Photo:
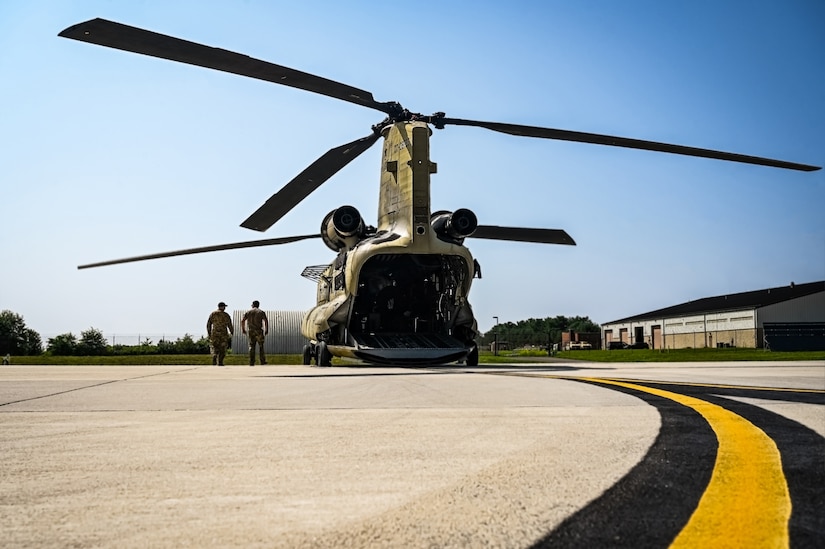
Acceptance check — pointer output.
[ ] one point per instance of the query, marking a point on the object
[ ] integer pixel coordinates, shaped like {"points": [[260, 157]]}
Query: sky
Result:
{"points": [[107, 154]]}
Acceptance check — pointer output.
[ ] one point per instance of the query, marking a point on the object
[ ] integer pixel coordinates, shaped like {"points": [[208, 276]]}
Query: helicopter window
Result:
{"points": [[339, 281]]}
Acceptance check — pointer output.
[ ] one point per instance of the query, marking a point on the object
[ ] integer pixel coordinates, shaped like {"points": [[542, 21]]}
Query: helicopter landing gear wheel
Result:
{"points": [[307, 355], [322, 355], [472, 356]]}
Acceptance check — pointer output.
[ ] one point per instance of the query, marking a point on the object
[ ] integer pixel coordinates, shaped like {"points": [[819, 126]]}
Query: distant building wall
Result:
{"points": [[696, 340], [284, 336], [593, 338], [795, 336], [733, 328], [810, 308], [737, 328]]}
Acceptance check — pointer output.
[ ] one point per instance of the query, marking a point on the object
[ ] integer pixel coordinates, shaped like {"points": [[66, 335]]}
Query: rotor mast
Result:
{"points": [[404, 201]]}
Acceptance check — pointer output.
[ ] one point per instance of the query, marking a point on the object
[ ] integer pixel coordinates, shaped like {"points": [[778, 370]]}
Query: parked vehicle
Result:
{"points": [[622, 345]]}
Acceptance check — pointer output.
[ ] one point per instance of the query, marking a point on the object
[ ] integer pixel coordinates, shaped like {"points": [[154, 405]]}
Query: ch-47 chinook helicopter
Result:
{"points": [[397, 292]]}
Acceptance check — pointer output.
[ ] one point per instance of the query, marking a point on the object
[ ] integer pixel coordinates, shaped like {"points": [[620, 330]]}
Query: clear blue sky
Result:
{"points": [[107, 154]]}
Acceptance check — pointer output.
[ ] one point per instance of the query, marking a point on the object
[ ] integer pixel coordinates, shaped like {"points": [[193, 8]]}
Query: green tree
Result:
{"points": [[92, 343], [538, 331], [185, 345], [188, 346], [16, 338], [63, 344], [202, 346], [166, 347], [583, 324], [32, 345]]}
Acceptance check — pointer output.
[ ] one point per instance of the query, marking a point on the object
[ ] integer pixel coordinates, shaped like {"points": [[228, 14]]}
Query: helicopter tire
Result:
{"points": [[472, 356], [307, 355], [322, 355]]}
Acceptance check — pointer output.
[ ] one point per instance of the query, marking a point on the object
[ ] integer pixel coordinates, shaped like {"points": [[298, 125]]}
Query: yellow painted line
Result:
{"points": [[677, 383], [720, 386], [746, 503]]}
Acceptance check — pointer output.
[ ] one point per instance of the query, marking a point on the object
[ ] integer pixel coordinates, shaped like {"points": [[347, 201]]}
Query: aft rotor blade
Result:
{"points": [[599, 139], [219, 247], [124, 37], [521, 234], [307, 181]]}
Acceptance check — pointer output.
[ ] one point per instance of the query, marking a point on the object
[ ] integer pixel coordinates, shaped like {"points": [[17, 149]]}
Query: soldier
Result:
{"points": [[255, 322], [217, 326]]}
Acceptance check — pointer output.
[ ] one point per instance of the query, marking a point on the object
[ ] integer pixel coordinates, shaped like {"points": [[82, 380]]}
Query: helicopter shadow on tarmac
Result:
{"points": [[374, 370]]}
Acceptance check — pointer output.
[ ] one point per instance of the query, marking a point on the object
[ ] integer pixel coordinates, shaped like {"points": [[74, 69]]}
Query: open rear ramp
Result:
{"points": [[406, 348]]}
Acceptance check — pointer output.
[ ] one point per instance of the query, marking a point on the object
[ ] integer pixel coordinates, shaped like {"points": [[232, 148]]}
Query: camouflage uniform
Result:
{"points": [[255, 324], [219, 328]]}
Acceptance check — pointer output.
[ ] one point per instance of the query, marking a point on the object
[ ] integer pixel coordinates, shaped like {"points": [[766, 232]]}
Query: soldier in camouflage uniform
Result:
{"points": [[219, 329], [255, 322]]}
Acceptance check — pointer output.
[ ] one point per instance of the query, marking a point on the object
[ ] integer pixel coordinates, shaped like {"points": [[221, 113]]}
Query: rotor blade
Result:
{"points": [[307, 181], [520, 234], [219, 247], [599, 139], [127, 38]]}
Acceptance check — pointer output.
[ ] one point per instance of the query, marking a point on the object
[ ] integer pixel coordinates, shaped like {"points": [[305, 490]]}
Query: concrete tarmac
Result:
{"points": [[295, 456]]}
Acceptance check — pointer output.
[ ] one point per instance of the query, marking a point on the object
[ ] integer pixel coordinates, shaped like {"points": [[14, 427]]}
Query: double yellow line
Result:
{"points": [[746, 503]]}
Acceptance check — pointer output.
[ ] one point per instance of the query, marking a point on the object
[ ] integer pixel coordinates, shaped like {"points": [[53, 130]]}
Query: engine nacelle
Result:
{"points": [[342, 228], [454, 226]]}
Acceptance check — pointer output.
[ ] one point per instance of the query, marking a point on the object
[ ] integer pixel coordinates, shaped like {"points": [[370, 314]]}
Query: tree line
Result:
{"points": [[538, 332], [17, 339]]}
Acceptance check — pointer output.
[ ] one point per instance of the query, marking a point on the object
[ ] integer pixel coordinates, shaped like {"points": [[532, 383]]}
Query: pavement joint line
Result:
{"points": [[84, 387]]}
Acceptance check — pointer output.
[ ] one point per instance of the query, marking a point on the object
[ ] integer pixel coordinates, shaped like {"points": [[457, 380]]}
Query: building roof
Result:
{"points": [[731, 302]]}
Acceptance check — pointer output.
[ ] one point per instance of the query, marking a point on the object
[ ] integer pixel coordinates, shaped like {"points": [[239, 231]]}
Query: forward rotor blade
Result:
{"points": [[219, 247], [599, 139], [307, 181], [124, 37], [520, 234]]}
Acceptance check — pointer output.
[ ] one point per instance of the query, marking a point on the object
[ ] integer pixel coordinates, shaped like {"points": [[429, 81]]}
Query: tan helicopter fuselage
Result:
{"points": [[405, 255]]}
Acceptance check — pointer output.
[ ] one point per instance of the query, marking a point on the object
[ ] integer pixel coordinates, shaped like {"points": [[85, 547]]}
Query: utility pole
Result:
{"points": [[495, 338]]}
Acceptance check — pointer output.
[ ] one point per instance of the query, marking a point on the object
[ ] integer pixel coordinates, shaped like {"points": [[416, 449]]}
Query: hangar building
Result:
{"points": [[786, 318], [284, 337]]}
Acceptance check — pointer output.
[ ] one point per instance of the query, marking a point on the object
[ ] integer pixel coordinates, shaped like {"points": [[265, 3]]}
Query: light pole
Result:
{"points": [[495, 339]]}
